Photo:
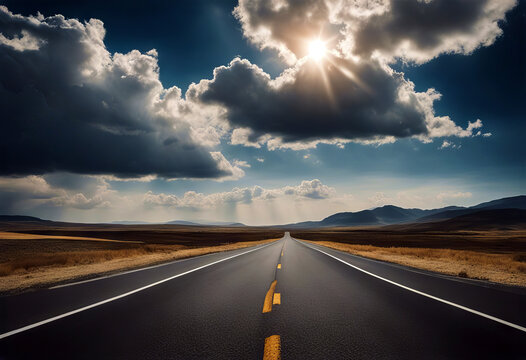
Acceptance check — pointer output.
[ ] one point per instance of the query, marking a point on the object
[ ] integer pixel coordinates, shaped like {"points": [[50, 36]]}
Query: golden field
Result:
{"points": [[497, 256], [29, 260]]}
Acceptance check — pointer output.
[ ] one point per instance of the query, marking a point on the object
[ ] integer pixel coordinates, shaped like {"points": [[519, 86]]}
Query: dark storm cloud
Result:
{"points": [[421, 30], [361, 101], [67, 104]]}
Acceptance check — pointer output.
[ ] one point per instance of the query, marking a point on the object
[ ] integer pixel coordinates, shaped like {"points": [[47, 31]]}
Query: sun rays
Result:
{"points": [[328, 59]]}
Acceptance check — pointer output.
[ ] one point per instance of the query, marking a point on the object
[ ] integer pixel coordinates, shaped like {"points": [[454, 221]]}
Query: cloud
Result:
{"points": [[241, 136], [353, 94], [444, 196], [241, 163], [448, 144], [20, 193], [279, 143], [380, 199], [405, 199], [226, 167], [281, 25], [308, 189], [415, 31], [34, 187], [80, 201], [70, 105], [419, 31], [424, 198], [364, 102], [445, 144], [313, 189]]}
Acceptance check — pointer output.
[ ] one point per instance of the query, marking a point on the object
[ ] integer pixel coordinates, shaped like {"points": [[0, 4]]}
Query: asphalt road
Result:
{"points": [[317, 303]]}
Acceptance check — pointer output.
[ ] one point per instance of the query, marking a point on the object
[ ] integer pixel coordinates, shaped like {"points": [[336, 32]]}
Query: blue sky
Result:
{"points": [[484, 78]]}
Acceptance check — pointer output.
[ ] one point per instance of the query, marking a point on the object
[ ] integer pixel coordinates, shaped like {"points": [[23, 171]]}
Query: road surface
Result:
{"points": [[288, 298]]}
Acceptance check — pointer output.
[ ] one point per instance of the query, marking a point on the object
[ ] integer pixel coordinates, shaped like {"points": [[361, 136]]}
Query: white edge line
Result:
{"points": [[504, 322], [143, 268], [69, 313]]}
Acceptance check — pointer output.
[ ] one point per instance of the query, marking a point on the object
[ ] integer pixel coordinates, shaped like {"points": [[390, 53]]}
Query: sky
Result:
{"points": [[261, 112]]}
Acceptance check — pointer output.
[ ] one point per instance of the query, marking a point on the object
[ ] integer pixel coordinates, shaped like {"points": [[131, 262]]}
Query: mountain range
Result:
{"points": [[390, 214], [505, 213], [208, 223]]}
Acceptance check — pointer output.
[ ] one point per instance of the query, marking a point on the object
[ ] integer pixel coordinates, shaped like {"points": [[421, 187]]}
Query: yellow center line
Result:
{"points": [[277, 299], [267, 305], [282, 253], [279, 266], [272, 348]]}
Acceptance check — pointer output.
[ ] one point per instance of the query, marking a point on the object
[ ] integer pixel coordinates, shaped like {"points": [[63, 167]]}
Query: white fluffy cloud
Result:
{"points": [[417, 30], [313, 189], [35, 187], [241, 163], [31, 191], [308, 189]]}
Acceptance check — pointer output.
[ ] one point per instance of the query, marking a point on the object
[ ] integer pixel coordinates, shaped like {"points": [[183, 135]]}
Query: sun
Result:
{"points": [[317, 49]]}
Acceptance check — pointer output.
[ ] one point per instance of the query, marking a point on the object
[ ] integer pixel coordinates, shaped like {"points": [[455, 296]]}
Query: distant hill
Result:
{"points": [[443, 215], [182, 222], [216, 223], [381, 216], [130, 222], [224, 223], [22, 218], [16, 218], [515, 202], [385, 215], [389, 214], [481, 219]]}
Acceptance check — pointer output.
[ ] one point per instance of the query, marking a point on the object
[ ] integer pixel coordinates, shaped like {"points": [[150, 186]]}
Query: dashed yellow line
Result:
{"points": [[277, 299], [267, 305], [272, 348]]}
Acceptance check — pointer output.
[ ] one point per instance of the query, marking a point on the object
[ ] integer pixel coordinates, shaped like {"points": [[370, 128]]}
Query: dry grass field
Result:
{"points": [[502, 268], [35, 254], [498, 241], [498, 256], [41, 255]]}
